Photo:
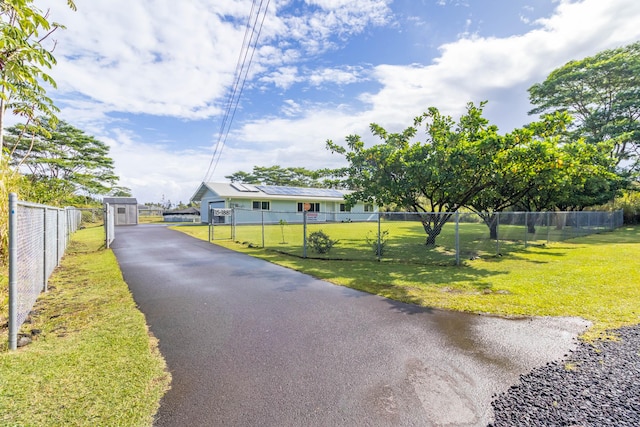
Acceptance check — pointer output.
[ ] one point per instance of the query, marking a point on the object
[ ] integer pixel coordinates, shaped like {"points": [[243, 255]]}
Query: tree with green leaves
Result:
{"points": [[529, 156], [578, 175], [62, 159], [291, 176], [434, 178], [602, 94], [24, 61]]}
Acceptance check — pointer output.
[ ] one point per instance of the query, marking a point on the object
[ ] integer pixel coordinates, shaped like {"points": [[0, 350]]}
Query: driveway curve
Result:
{"points": [[249, 343]]}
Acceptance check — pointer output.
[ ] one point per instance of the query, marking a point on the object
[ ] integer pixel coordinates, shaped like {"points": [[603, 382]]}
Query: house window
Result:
{"points": [[122, 210], [259, 205], [368, 207], [313, 207], [344, 208]]}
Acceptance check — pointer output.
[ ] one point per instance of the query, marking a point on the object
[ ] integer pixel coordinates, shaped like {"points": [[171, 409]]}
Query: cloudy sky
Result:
{"points": [[152, 78]]}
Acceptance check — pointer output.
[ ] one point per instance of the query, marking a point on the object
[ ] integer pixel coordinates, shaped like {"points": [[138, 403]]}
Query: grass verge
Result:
{"points": [[595, 277], [92, 360]]}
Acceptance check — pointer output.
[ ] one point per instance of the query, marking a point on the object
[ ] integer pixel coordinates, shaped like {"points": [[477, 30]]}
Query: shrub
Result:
{"points": [[282, 223], [320, 242], [372, 241]]}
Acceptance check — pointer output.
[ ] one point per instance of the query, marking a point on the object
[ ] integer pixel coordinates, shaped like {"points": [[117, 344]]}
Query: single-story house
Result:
{"points": [[182, 215], [125, 209], [146, 210], [251, 203]]}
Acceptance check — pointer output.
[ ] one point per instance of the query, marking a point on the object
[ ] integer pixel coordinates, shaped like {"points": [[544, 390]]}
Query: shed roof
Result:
{"points": [[120, 200], [267, 192]]}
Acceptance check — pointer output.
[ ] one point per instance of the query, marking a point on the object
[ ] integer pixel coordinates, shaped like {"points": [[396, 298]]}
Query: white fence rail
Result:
{"points": [[109, 224]]}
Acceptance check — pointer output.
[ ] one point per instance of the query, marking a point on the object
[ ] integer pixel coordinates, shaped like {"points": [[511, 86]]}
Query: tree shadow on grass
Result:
{"points": [[401, 282]]}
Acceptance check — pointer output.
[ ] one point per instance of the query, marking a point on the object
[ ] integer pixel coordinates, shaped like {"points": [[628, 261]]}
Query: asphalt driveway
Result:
{"points": [[249, 343]]}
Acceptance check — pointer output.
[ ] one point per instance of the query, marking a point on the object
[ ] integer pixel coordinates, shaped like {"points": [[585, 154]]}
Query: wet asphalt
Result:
{"points": [[249, 343]]}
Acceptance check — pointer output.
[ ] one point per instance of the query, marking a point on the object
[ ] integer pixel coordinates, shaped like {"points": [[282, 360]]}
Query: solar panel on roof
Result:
{"points": [[298, 191], [245, 188]]}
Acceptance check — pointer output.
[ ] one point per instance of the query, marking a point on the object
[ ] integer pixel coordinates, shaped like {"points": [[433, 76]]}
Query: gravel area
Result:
{"points": [[596, 385]]}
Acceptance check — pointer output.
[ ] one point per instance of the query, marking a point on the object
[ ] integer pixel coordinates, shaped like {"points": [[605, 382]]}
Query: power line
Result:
{"points": [[247, 51]]}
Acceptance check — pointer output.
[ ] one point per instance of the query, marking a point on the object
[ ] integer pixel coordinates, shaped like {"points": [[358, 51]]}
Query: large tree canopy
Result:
{"points": [[434, 178], [602, 93], [64, 157], [530, 154], [24, 60]]}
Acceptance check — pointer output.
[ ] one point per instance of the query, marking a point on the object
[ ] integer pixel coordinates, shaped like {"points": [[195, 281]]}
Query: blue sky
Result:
{"points": [[151, 78]]}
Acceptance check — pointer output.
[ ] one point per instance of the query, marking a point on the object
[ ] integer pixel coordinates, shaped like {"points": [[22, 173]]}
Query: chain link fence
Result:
{"points": [[405, 237], [38, 237]]}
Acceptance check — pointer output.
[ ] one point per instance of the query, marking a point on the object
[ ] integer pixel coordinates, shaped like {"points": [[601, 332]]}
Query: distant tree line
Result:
{"points": [[290, 176]]}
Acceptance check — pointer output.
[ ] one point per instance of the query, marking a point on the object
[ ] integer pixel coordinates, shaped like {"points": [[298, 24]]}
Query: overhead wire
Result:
{"points": [[249, 44]]}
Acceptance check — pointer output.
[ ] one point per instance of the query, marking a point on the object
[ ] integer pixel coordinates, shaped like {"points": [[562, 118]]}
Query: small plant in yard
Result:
{"points": [[320, 242], [282, 223], [378, 247]]}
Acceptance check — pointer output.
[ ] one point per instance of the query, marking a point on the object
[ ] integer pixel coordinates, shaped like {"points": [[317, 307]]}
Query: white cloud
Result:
{"points": [[165, 59], [152, 171], [472, 69], [283, 77], [340, 76]]}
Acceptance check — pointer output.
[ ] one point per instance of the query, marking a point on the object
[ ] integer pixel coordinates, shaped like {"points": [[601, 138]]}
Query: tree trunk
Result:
{"points": [[432, 223], [493, 230], [432, 232], [491, 221], [431, 239]]}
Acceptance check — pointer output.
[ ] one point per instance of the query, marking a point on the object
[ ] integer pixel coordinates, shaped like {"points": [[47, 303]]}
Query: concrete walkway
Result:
{"points": [[253, 344]]}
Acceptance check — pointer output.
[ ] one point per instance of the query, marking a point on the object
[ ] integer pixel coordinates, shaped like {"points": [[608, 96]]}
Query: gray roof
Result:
{"points": [[120, 200]]}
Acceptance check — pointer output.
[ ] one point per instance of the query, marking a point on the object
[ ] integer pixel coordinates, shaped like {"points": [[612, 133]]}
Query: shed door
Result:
{"points": [[121, 215]]}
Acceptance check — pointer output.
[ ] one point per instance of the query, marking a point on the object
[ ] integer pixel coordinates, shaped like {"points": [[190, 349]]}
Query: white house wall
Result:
{"points": [[286, 210]]}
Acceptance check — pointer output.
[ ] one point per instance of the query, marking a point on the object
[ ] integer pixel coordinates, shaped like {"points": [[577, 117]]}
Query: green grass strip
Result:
{"points": [[93, 361], [595, 277]]}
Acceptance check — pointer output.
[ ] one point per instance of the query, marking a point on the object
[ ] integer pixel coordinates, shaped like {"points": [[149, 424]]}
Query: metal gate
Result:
{"points": [[220, 224]]}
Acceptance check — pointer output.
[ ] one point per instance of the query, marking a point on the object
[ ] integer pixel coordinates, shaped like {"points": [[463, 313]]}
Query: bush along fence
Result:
{"points": [[407, 237], [38, 238]]}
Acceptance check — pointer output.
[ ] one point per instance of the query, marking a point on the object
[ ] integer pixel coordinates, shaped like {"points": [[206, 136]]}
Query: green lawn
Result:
{"points": [[93, 361], [595, 277], [405, 240]]}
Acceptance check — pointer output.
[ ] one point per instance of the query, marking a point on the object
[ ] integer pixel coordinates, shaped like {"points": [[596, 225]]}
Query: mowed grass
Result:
{"points": [[92, 361], [404, 241], [595, 277]]}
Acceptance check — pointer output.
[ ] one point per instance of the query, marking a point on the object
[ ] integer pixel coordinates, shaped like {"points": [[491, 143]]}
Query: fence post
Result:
{"points": [[210, 223], [548, 227], [457, 238], [304, 233], [233, 223], [106, 225], [58, 254], [497, 233], [44, 251], [13, 271], [526, 228], [379, 251], [262, 222]]}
